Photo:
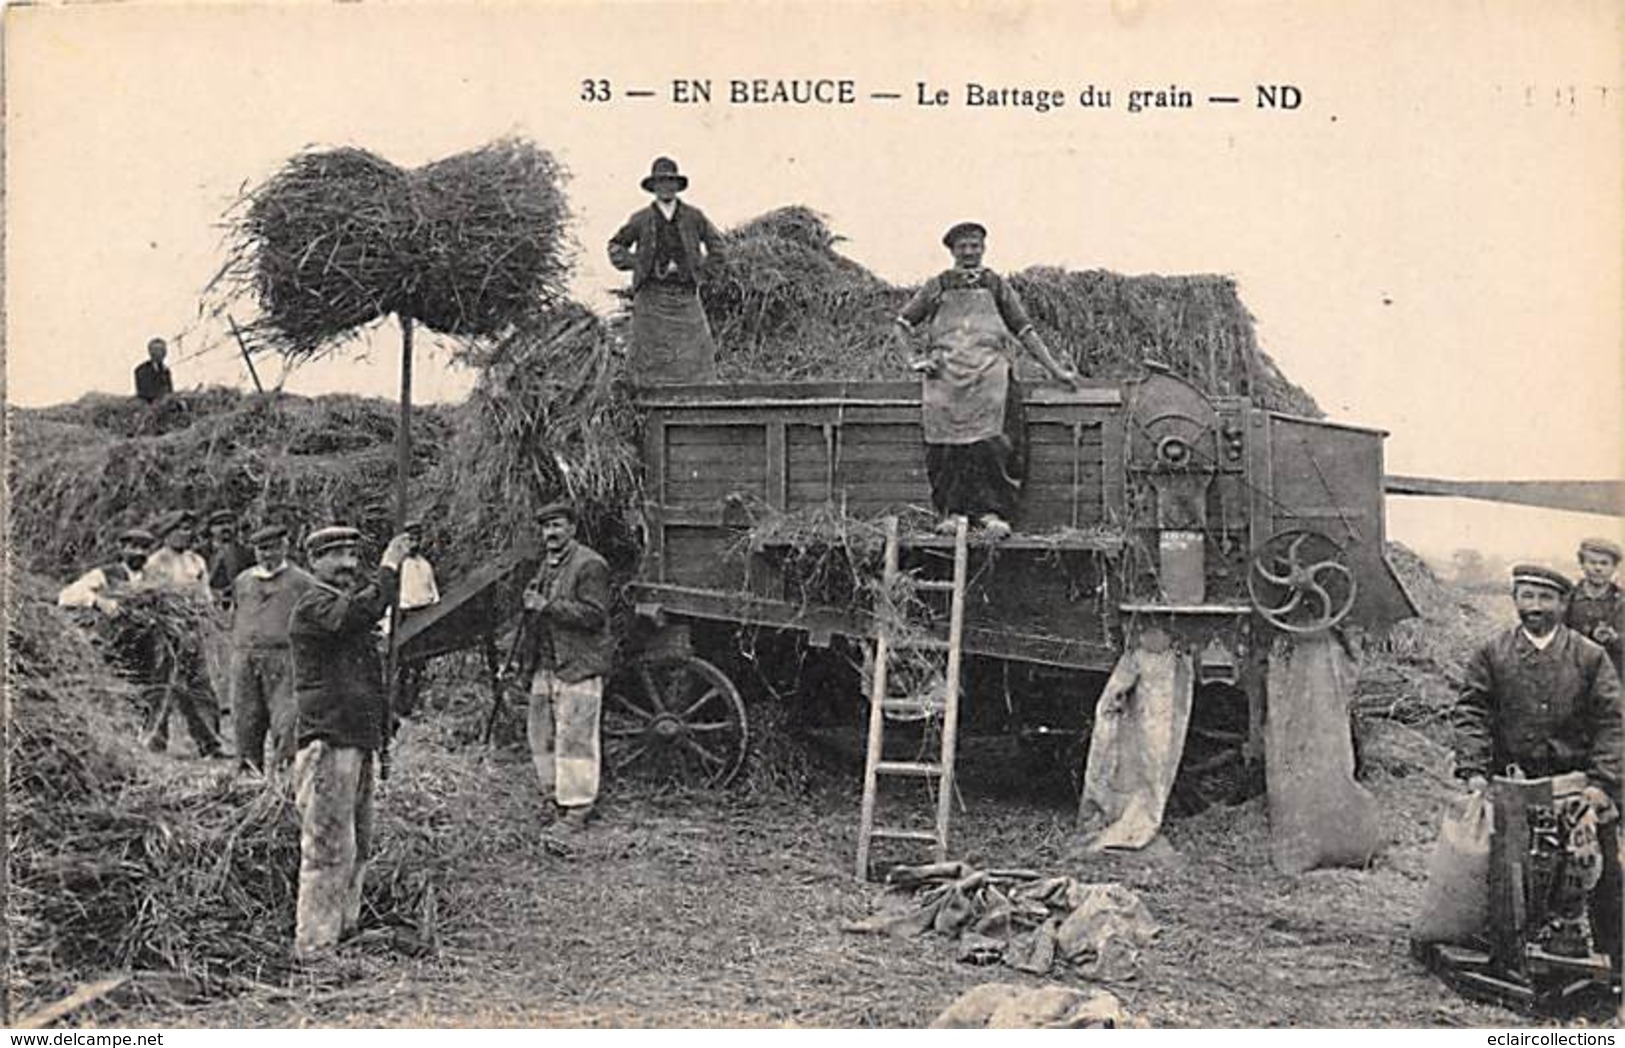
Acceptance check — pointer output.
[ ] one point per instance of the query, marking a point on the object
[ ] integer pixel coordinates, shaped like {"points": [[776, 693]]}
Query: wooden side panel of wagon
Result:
{"points": [[718, 457]]}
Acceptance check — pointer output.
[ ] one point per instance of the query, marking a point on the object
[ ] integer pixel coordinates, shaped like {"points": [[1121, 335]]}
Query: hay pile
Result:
{"points": [[307, 461], [1411, 676], [786, 305], [122, 860], [547, 419], [338, 238]]}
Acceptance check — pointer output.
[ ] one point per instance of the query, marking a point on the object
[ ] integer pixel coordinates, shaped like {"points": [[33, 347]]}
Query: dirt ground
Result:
{"points": [[683, 909]]}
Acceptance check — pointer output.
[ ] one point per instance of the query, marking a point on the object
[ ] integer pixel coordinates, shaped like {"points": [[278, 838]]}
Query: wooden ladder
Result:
{"points": [[894, 636]]}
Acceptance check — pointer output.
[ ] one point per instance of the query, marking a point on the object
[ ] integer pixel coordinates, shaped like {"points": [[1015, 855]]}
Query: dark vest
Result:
{"points": [[669, 250]]}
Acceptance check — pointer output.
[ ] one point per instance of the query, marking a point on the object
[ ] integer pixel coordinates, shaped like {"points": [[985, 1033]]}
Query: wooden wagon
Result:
{"points": [[1145, 502]]}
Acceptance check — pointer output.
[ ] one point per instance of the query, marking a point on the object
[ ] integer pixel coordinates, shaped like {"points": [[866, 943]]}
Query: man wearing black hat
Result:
{"points": [[228, 558], [970, 405], [339, 690], [667, 246], [262, 601], [567, 654], [1545, 699], [1597, 605]]}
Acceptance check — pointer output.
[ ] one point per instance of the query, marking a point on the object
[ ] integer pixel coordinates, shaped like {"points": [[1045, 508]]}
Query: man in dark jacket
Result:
{"points": [[1544, 698], [228, 558], [667, 246], [339, 688], [153, 381], [569, 650], [1597, 605]]}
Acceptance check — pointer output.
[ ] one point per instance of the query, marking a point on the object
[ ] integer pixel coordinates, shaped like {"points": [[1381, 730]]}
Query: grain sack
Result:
{"points": [[1319, 816], [1456, 900]]}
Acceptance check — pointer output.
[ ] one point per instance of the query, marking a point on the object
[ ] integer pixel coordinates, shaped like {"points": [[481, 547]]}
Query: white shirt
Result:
{"points": [[186, 573], [1540, 643], [261, 572], [666, 209], [84, 591]]}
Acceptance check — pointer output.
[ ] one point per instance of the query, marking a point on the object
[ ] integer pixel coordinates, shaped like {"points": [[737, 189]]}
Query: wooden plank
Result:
{"points": [[654, 460], [856, 452], [708, 557], [857, 434], [1260, 476], [694, 451], [745, 608], [687, 491], [736, 470], [862, 473], [1061, 432], [856, 414], [881, 492], [744, 431], [777, 465], [1096, 392]]}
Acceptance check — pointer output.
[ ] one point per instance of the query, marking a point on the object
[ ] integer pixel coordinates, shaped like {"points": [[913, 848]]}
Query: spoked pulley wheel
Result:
{"points": [[1300, 581]]}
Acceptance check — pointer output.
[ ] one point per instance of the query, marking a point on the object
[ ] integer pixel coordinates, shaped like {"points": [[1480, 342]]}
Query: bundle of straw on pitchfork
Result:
{"points": [[338, 238]]}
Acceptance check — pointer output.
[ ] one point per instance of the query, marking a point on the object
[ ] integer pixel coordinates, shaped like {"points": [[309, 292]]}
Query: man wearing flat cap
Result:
{"points": [[1544, 699], [1597, 606], [970, 405], [667, 247], [567, 653], [175, 567], [101, 587], [338, 683], [263, 597]]}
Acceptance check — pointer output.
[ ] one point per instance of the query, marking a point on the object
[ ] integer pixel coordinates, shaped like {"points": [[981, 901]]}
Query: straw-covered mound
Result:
{"points": [[785, 305], [127, 861], [548, 419], [337, 238], [306, 461], [1412, 674]]}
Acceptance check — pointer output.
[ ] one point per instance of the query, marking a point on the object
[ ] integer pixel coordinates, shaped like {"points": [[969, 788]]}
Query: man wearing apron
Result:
{"points": [[970, 405]]}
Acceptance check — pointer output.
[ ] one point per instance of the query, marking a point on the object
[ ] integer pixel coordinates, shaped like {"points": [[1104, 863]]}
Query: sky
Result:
{"points": [[1430, 242]]}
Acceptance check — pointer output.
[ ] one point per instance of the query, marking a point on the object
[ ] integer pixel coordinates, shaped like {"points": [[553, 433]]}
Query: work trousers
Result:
{"points": [[563, 730], [985, 477], [180, 681], [333, 792], [262, 704]]}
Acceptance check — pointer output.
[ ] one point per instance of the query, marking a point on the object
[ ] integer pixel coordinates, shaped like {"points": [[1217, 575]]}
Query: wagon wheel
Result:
{"points": [[674, 718], [1300, 581]]}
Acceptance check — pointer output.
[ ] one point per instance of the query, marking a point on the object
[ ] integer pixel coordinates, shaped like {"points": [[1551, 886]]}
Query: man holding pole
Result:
{"points": [[339, 688]]}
